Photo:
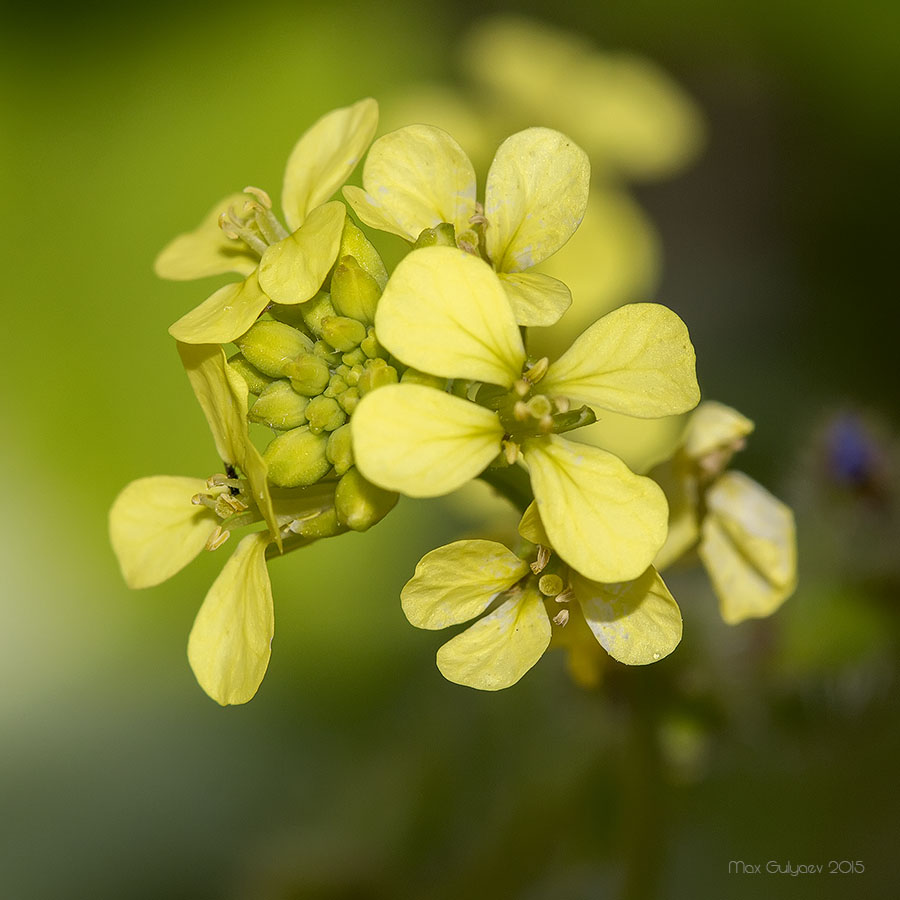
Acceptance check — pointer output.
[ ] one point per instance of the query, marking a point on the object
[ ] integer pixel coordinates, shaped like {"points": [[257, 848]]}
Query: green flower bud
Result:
{"points": [[323, 525], [336, 386], [359, 503], [324, 351], [315, 310], [354, 243], [371, 347], [324, 414], [279, 406], [290, 313], [271, 346], [441, 235], [353, 375], [376, 373], [297, 457], [255, 379], [354, 357], [354, 292], [348, 400], [342, 333], [414, 376], [309, 374], [340, 449]]}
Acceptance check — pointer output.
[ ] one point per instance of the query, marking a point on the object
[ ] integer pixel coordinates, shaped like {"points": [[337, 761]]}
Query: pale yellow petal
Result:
{"points": [[536, 299], [636, 622], [446, 313], [455, 583], [713, 426], [206, 250], [292, 271], [535, 198], [531, 527], [499, 649], [231, 641], [155, 530], [415, 178], [324, 157], [222, 394], [223, 316], [420, 441], [602, 519], [679, 484], [636, 360], [749, 548]]}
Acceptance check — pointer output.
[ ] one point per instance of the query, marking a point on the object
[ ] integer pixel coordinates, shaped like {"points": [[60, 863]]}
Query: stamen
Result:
{"points": [[562, 404], [264, 199], [521, 387], [217, 538], [566, 596], [537, 371], [520, 411], [204, 500], [236, 229], [271, 228], [543, 557], [223, 481], [510, 451], [562, 618], [478, 217]]}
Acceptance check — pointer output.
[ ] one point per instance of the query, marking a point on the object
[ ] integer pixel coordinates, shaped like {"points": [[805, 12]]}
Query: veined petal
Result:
{"points": [[446, 313], [458, 582], [535, 197], [206, 250], [420, 441], [292, 271], [324, 157], [224, 315], [636, 360], [536, 299], [231, 641], [602, 519], [155, 530], [713, 426], [222, 394], [636, 622], [416, 178], [531, 527], [680, 487], [749, 548], [499, 649]]}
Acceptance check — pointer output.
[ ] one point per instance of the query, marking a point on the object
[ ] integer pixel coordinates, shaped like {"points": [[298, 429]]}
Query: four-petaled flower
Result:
{"points": [[446, 313]]}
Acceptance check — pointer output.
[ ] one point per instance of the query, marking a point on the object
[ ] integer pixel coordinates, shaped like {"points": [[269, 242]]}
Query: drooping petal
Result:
{"points": [[324, 157], [749, 548], [420, 441], [222, 394], [536, 299], [231, 641], [713, 426], [679, 484], [531, 527], [206, 250], [415, 178], [636, 622], [636, 360], [155, 530], [500, 648], [535, 197], [224, 315], [602, 519], [445, 312], [292, 271], [455, 583]]}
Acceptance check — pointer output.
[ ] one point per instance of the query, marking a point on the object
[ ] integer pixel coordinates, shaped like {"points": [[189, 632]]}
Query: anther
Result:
{"points": [[217, 538], [537, 371], [520, 411], [510, 451], [562, 618], [562, 404], [565, 596], [264, 199], [543, 557], [521, 387]]}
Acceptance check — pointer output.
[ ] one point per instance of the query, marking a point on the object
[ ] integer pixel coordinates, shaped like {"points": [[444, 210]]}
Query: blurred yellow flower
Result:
{"points": [[744, 535], [536, 192], [445, 312], [242, 234]]}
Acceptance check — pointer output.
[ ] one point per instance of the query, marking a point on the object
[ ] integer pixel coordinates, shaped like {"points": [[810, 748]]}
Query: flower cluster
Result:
{"points": [[374, 384]]}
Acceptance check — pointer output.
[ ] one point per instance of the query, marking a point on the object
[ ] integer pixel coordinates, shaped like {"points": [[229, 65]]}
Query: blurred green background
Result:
{"points": [[357, 772]]}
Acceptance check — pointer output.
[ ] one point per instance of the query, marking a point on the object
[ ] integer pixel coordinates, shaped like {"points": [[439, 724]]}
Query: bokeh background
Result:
{"points": [[357, 772]]}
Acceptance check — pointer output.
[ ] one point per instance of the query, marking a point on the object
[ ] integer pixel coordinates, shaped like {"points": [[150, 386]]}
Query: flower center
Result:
{"points": [[254, 223]]}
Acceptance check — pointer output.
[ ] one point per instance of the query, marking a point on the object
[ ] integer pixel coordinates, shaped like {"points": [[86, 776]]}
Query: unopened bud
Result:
{"points": [[442, 235], [414, 376], [315, 310], [354, 243], [309, 374], [297, 458], [354, 292], [342, 332], [355, 357], [376, 373], [348, 400], [340, 449], [336, 386], [359, 503], [325, 524], [324, 414], [271, 346], [256, 380], [327, 352], [279, 406]]}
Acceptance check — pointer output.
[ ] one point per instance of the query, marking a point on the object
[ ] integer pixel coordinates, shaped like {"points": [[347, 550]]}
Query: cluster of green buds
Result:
{"points": [[369, 385]]}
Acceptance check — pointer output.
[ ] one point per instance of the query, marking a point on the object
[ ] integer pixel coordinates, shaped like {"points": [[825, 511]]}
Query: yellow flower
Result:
{"points": [[445, 312], [158, 525], [242, 234], [418, 177], [746, 537], [637, 622]]}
